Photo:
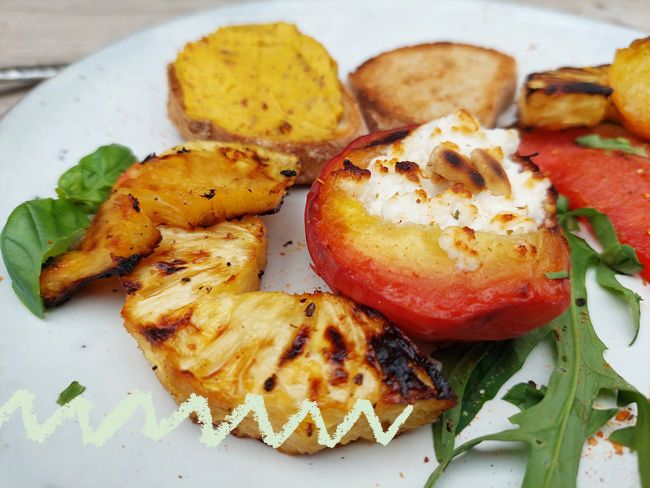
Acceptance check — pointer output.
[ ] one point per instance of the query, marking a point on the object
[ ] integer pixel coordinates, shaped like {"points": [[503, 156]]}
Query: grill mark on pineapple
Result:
{"points": [[122, 267], [131, 286], [297, 346], [399, 362], [168, 268], [269, 384], [166, 328], [336, 354]]}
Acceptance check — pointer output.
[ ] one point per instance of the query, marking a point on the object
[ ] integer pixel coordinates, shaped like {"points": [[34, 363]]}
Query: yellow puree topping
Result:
{"points": [[264, 80]]}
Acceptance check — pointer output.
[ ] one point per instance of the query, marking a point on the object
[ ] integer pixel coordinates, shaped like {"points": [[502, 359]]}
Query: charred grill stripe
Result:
{"points": [[166, 328], [338, 351], [578, 87], [337, 354], [171, 267], [297, 345], [392, 137], [270, 382], [398, 359], [134, 203]]}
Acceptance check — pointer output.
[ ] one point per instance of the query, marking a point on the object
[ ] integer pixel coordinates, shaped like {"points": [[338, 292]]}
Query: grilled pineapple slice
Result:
{"points": [[566, 97], [204, 336], [189, 266], [196, 185], [202, 183], [118, 236], [630, 79]]}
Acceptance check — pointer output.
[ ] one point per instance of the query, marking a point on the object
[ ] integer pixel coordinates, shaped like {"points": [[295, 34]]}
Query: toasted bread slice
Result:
{"points": [[268, 85], [415, 84]]}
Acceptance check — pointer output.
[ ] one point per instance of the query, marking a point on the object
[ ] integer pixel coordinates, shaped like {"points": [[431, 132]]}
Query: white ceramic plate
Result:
{"points": [[118, 95]]}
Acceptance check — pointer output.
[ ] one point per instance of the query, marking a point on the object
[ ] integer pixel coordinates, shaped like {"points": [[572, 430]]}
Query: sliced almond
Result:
{"points": [[448, 163], [496, 179]]}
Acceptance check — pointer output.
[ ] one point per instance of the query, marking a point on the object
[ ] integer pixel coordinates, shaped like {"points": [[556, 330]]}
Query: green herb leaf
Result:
{"points": [[73, 390], [476, 374], [622, 144], [35, 231], [89, 183], [619, 257], [607, 279], [557, 275], [525, 395], [555, 426]]}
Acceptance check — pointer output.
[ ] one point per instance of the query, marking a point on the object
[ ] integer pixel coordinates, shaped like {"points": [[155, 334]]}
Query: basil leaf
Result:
{"points": [[35, 231], [73, 390], [89, 183], [622, 144]]}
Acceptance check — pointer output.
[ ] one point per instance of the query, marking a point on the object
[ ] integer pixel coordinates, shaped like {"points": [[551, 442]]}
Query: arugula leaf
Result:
{"points": [[606, 278], [35, 231], [636, 437], [476, 374], [89, 183], [616, 257], [556, 428], [73, 390], [622, 144], [525, 395], [557, 275], [619, 257]]}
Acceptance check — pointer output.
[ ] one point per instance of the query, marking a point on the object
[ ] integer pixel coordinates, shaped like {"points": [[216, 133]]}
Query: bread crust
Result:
{"points": [[311, 154], [376, 94]]}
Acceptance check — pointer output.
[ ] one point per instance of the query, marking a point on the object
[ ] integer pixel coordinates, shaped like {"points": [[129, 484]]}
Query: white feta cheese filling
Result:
{"points": [[407, 199]]}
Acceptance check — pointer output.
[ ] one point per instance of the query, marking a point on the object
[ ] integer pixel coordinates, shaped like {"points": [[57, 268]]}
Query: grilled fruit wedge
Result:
{"points": [[202, 183], [203, 336], [189, 266], [118, 236], [630, 79], [196, 185], [443, 229], [566, 97]]}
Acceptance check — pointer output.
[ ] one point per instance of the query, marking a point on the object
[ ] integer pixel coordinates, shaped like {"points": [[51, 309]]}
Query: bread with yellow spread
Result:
{"points": [[265, 84]]}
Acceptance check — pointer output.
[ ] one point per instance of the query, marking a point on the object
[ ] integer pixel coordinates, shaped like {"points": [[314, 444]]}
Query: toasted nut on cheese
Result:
{"points": [[496, 179], [453, 166]]}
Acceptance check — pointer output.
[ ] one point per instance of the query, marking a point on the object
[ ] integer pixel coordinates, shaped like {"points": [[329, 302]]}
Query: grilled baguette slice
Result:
{"points": [[238, 66], [566, 97], [416, 84], [196, 185], [203, 336]]}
